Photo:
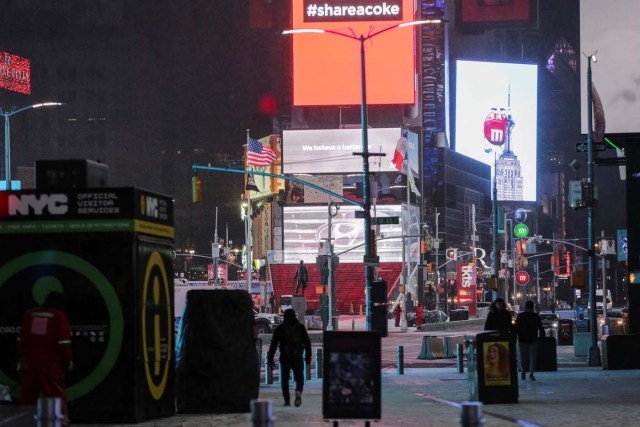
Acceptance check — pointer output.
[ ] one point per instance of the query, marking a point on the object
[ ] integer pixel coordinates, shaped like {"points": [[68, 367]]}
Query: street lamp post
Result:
{"points": [[366, 206], [7, 139], [594, 351]]}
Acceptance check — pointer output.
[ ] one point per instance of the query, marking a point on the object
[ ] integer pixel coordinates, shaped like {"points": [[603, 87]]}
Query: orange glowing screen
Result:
{"points": [[326, 67]]}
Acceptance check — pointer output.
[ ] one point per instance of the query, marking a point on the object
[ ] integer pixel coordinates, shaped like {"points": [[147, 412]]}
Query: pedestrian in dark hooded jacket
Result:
{"points": [[529, 329], [295, 348], [499, 318]]}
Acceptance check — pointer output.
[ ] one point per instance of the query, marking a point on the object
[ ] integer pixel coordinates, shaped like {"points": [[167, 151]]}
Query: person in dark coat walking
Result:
{"points": [[499, 318], [529, 329], [292, 338], [302, 276]]}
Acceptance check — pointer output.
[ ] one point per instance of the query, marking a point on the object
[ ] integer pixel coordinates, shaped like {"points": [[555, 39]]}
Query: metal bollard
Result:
{"points": [[460, 358], [268, 373], [307, 371], [49, 412], [318, 363], [400, 353], [471, 414], [261, 413]]}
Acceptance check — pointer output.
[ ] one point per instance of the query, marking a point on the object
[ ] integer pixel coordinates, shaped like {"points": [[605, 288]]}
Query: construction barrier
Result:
{"points": [[440, 347], [451, 343], [432, 348]]}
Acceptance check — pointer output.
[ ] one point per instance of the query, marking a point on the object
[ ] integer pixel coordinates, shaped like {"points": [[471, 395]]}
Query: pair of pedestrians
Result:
{"points": [[527, 328]]}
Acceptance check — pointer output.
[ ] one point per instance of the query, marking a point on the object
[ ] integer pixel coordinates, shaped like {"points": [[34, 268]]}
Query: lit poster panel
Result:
{"points": [[610, 29], [304, 227], [326, 67], [466, 273], [327, 151], [496, 121], [15, 73]]}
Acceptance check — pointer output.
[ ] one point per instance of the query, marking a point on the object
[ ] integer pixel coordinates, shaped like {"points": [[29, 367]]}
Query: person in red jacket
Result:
{"points": [[397, 311], [44, 352], [419, 315]]}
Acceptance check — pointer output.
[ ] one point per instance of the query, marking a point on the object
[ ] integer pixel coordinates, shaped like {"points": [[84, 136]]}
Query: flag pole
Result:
{"points": [[248, 239]]}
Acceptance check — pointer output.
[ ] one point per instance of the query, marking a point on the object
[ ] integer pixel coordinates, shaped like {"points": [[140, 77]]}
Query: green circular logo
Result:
{"points": [[42, 259], [521, 230]]}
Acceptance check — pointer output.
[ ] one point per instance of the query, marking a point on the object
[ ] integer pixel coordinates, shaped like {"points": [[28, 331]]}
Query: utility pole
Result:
{"points": [[593, 358], [436, 246], [333, 211], [215, 253]]}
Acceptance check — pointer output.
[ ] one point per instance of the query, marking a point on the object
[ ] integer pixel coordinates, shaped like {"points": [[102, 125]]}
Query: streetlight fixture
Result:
{"points": [[594, 352], [369, 255], [7, 143]]}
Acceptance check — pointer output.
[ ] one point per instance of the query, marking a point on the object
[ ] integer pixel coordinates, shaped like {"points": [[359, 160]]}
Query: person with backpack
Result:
{"points": [[295, 347]]}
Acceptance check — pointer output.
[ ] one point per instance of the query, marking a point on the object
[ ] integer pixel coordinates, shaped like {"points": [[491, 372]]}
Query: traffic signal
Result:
{"points": [[429, 267], [196, 189], [452, 253]]}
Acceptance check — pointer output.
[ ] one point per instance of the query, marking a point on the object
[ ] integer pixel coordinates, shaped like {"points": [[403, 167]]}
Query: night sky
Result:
{"points": [[182, 86]]}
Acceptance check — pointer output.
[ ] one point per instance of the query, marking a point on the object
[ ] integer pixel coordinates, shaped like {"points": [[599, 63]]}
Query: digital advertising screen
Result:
{"points": [[306, 226], [478, 14], [351, 386], [496, 122], [15, 73], [326, 66], [326, 151]]}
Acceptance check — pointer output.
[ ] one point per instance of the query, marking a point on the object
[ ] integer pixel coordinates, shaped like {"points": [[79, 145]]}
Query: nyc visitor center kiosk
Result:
{"points": [[109, 252]]}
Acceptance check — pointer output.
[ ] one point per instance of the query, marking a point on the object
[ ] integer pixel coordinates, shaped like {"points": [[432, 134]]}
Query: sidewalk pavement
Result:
{"points": [[431, 395]]}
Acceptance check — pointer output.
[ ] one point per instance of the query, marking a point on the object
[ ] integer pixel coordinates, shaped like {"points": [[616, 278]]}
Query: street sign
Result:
{"points": [[371, 260], [522, 277], [520, 215], [521, 230], [385, 220], [581, 147]]}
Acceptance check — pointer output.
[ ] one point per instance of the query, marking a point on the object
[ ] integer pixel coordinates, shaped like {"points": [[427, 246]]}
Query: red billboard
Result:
{"points": [[326, 67], [467, 287], [15, 73]]}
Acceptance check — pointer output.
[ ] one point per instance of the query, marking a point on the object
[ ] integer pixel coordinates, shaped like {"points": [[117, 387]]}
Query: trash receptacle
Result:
{"points": [[565, 332], [496, 372]]}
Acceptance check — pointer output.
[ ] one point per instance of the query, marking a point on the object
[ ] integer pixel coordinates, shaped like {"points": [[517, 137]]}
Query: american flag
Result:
{"points": [[259, 154]]}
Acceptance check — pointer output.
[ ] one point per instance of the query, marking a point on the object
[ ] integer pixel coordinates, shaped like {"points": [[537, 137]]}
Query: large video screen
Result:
{"points": [[326, 67], [304, 227], [609, 30], [327, 151], [496, 122]]}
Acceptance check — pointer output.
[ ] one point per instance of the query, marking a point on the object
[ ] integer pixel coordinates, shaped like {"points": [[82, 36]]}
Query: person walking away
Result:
{"points": [[302, 275], [397, 311], [528, 329], [419, 315], [272, 303], [44, 352], [498, 318], [292, 338]]}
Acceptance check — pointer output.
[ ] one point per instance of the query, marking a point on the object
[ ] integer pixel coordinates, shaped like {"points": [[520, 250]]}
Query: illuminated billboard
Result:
{"points": [[327, 151], [304, 227], [496, 122], [15, 73], [326, 67]]}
